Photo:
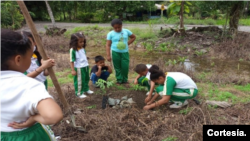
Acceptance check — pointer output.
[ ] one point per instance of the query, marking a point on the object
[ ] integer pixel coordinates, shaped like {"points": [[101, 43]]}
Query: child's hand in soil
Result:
{"points": [[150, 102], [147, 99], [48, 63], [73, 72], [147, 107], [22, 125]]}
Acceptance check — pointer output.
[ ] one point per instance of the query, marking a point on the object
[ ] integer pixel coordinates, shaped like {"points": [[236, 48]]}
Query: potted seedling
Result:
{"points": [[103, 86]]}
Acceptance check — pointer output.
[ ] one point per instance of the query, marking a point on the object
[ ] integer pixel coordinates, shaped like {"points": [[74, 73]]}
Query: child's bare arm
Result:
{"points": [[109, 69], [108, 44], [49, 112], [136, 79], [165, 99], [152, 87], [72, 68], [99, 72], [46, 72], [132, 39], [45, 64], [36, 72], [152, 99]]}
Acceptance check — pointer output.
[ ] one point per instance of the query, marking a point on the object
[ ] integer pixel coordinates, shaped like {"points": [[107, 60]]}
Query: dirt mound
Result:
{"points": [[238, 48], [135, 124]]}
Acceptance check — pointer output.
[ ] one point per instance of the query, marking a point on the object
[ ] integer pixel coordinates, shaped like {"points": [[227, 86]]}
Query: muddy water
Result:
{"points": [[201, 64]]}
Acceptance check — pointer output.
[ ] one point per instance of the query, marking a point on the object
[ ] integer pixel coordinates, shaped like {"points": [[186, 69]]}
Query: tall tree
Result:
{"points": [[50, 13], [233, 10], [179, 8]]}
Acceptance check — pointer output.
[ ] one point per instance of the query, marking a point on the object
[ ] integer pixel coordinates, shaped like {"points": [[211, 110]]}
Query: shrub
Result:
{"points": [[85, 17]]}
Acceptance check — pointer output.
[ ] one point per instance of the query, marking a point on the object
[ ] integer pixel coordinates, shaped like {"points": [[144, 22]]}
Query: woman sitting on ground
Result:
{"points": [[178, 87]]}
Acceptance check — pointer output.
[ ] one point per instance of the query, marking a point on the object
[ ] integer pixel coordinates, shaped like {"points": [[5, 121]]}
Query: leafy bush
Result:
{"points": [[85, 17], [10, 15]]}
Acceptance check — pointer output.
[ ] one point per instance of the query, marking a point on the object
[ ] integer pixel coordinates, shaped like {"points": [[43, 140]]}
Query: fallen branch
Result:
{"points": [[221, 104]]}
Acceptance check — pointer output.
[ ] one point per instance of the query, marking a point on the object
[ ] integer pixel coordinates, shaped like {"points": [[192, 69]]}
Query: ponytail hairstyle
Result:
{"points": [[74, 40], [154, 67], [142, 67], [39, 57], [12, 44], [155, 73]]}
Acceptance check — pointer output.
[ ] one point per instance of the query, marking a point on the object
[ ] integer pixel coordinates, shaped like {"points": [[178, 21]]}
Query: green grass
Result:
{"points": [[63, 77], [245, 88], [189, 21], [170, 138], [214, 93], [89, 30], [99, 33], [175, 20], [185, 111]]}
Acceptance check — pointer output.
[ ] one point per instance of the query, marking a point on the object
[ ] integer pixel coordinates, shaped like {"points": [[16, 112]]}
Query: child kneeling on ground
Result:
{"points": [[178, 87], [143, 79], [100, 70], [27, 109]]}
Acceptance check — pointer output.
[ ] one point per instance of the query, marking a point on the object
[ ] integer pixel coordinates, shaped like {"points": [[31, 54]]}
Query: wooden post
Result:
{"points": [[31, 25]]}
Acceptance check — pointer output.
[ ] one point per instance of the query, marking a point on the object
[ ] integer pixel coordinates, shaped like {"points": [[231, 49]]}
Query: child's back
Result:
{"points": [[27, 109], [19, 97]]}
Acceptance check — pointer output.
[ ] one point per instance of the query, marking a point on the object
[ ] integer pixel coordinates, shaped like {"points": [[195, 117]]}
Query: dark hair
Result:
{"points": [[74, 40], [12, 43], [155, 73], [99, 58], [142, 67], [116, 21], [39, 57]]}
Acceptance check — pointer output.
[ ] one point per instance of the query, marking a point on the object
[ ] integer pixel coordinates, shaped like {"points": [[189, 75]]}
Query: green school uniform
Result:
{"points": [[37, 132], [81, 66], [179, 86]]}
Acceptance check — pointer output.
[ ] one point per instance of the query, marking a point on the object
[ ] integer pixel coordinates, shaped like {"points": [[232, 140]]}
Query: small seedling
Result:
{"points": [[185, 111], [137, 87], [163, 47], [170, 139], [149, 47], [104, 84], [135, 42], [182, 59], [144, 44], [212, 64], [45, 27], [199, 53], [171, 62], [91, 107]]}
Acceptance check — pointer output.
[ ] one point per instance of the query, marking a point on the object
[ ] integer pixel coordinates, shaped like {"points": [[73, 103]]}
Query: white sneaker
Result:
{"points": [[89, 92], [178, 104], [82, 96], [148, 93]]}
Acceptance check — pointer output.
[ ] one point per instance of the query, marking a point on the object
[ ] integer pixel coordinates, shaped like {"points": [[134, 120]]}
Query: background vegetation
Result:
{"points": [[195, 12]]}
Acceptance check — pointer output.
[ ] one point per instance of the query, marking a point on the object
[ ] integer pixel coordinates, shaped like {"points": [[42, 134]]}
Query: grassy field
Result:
{"points": [[190, 21]]}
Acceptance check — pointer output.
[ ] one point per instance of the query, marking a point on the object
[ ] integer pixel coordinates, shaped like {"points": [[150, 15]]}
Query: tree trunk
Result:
{"points": [[234, 18], [246, 9], [75, 9], [182, 30], [50, 13]]}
